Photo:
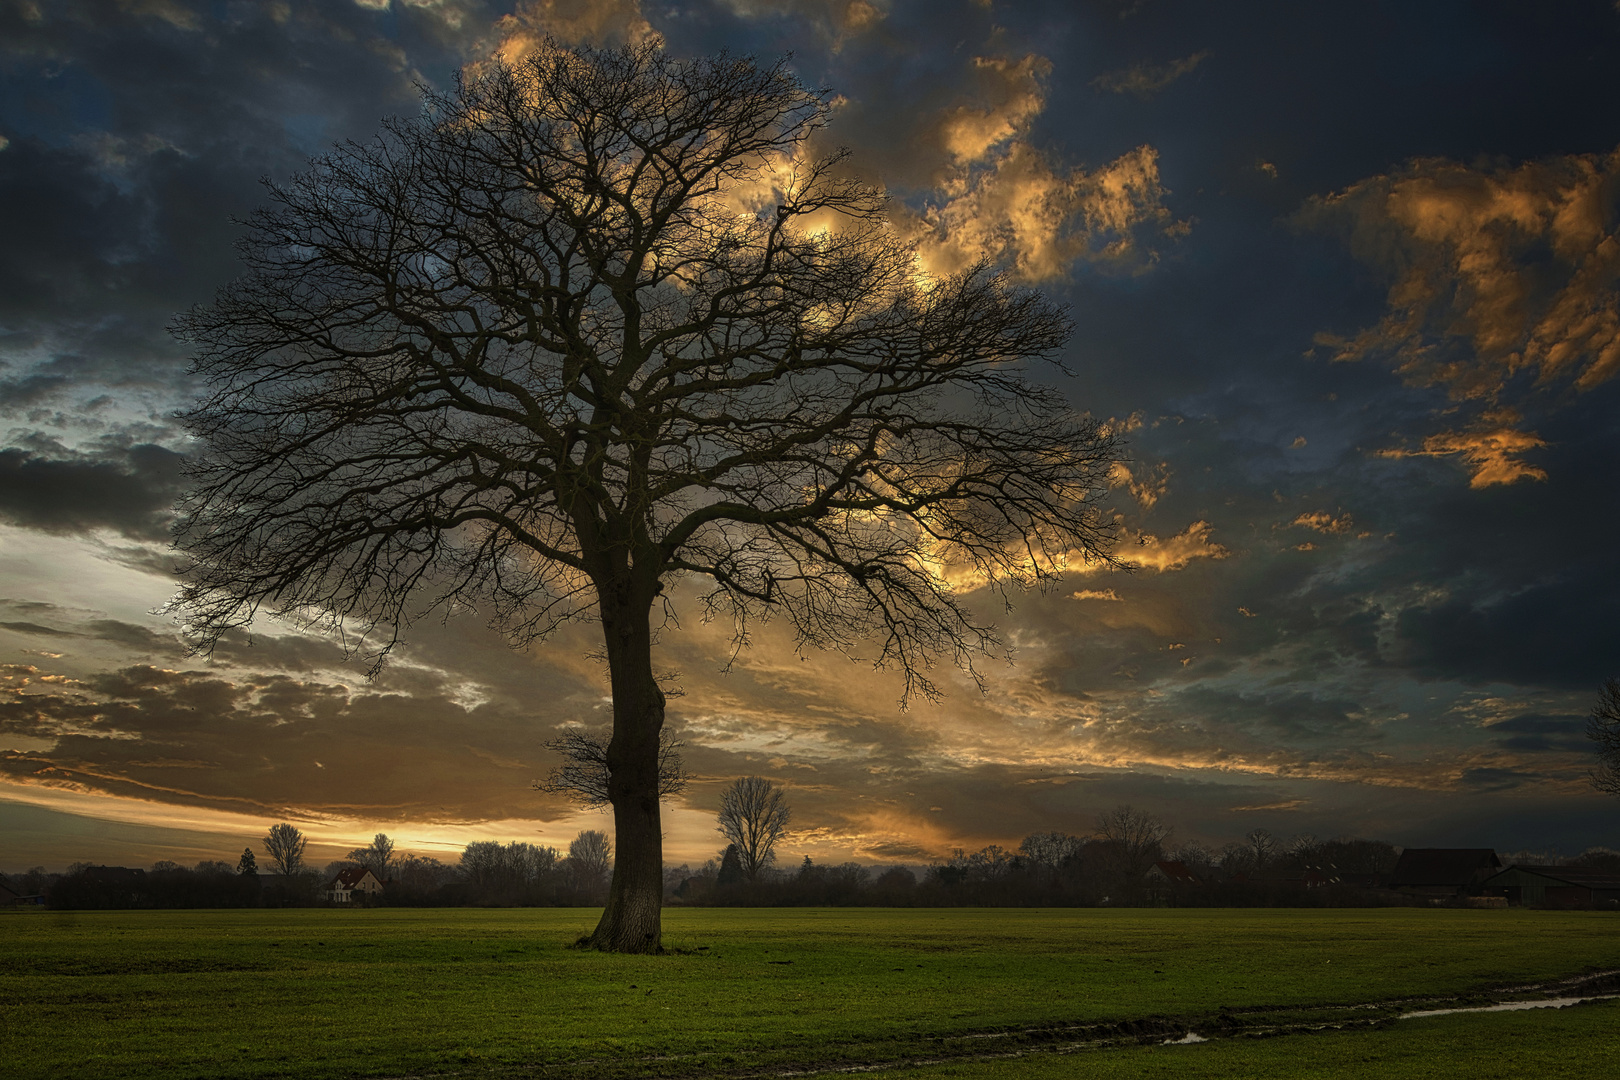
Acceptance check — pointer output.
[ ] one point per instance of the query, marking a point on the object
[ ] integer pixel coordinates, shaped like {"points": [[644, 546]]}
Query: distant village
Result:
{"points": [[1126, 864]]}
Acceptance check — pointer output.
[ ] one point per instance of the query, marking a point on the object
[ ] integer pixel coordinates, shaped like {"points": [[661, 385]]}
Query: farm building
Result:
{"points": [[356, 879], [1171, 872], [1443, 873], [1167, 877], [1555, 886]]}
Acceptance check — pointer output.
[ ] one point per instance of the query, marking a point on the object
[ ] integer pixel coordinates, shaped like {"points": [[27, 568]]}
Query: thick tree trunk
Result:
{"points": [[632, 921]]}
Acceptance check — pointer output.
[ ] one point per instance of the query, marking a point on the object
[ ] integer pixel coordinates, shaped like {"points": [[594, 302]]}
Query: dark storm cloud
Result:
{"points": [[1539, 732], [36, 630], [136, 132], [126, 489], [267, 743]]}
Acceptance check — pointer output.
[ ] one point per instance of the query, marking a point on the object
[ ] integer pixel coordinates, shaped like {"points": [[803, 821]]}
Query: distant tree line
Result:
{"points": [[1127, 860], [488, 873]]}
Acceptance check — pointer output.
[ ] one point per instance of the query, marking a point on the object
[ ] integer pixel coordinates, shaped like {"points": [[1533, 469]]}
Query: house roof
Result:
{"points": [[1176, 870], [353, 876], [1418, 867]]}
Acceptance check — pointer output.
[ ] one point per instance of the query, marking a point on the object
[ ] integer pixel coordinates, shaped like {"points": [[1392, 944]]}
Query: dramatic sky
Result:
{"points": [[1345, 274]]}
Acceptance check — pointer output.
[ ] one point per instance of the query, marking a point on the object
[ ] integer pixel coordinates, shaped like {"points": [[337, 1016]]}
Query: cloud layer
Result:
{"points": [[1370, 409]]}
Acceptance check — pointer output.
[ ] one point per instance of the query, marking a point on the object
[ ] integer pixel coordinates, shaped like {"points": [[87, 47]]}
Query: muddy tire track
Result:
{"points": [[1000, 1044]]}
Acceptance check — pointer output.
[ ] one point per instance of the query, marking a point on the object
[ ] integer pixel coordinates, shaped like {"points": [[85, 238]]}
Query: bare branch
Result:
{"points": [[1603, 728], [583, 776]]}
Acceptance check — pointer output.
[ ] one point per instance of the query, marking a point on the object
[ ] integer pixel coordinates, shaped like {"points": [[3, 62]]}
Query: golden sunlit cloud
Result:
{"points": [[1493, 456], [1324, 522], [1147, 488], [1499, 273], [1149, 552], [1096, 594], [572, 22], [1519, 264], [999, 198]]}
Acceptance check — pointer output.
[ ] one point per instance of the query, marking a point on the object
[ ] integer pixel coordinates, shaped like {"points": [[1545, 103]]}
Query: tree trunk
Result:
{"points": [[632, 921]]}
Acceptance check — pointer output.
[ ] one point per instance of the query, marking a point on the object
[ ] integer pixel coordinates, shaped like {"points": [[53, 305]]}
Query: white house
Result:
{"points": [[356, 879]]}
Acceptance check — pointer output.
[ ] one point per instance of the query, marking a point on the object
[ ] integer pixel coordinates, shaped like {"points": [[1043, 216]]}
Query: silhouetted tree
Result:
{"points": [[1136, 840], [596, 322], [1195, 857], [731, 867], [247, 865], [1603, 728], [1050, 850], [590, 860], [375, 856], [285, 846], [753, 816], [1262, 847]]}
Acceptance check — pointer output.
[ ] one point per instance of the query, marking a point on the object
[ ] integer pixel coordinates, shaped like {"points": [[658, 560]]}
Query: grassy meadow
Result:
{"points": [[929, 992]]}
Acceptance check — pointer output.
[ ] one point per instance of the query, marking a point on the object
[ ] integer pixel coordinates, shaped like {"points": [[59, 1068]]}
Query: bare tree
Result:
{"points": [[1262, 846], [753, 816], [375, 856], [1603, 728], [285, 846], [1050, 850], [1137, 838], [590, 858], [598, 322]]}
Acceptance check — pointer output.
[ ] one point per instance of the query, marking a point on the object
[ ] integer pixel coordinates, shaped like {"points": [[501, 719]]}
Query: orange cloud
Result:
{"points": [[1191, 543], [1493, 456], [1148, 488], [593, 22], [1498, 271], [1502, 277], [1022, 212], [999, 198], [1324, 522]]}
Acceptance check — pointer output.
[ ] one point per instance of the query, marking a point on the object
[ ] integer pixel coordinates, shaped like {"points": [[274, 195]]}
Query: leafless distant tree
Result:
{"points": [[1137, 837], [285, 846], [598, 322], [375, 856], [1262, 846], [590, 858], [1195, 856], [754, 816], [1603, 728], [1051, 849]]}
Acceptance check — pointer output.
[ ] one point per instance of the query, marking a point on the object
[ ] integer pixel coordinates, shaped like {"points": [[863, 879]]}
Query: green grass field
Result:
{"points": [[931, 993]]}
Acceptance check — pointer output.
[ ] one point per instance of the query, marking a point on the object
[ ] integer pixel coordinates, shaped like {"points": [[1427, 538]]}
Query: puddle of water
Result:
{"points": [[1511, 1006], [1186, 1040]]}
